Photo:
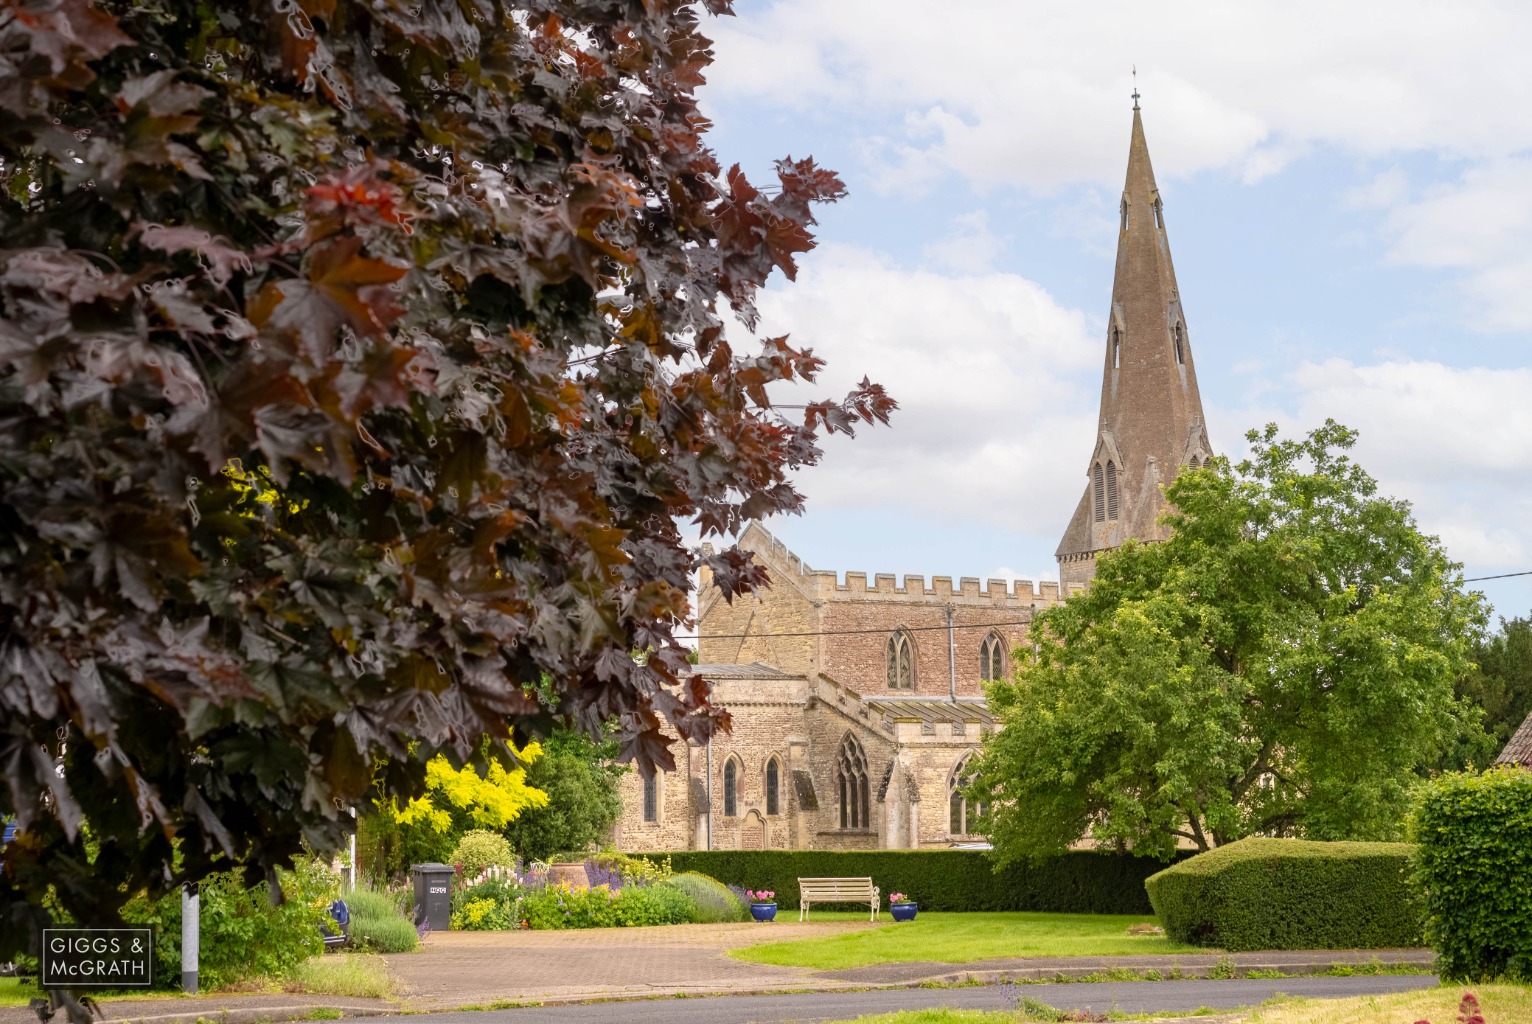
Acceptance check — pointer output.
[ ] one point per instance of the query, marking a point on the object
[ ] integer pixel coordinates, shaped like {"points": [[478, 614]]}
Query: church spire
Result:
{"points": [[1151, 421]]}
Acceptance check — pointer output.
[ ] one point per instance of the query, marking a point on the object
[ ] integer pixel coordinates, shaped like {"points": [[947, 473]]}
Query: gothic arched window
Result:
{"points": [[1099, 486], [1159, 213], [1125, 212], [1180, 343], [1116, 348], [773, 786], [963, 817], [851, 781], [1194, 463], [730, 789], [901, 661], [1111, 490], [652, 797], [992, 658]]}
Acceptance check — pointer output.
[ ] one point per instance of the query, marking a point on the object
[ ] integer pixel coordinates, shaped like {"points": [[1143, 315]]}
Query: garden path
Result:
{"points": [[453, 969]]}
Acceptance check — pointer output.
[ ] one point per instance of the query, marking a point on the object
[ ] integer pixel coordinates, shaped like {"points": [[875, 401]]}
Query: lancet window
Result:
{"points": [[773, 786], [901, 661], [992, 658], [1111, 490], [851, 780], [965, 817], [1098, 486], [730, 788]]}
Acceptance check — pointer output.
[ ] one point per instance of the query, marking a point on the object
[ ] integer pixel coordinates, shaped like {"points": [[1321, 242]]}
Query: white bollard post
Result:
{"points": [[190, 934]]}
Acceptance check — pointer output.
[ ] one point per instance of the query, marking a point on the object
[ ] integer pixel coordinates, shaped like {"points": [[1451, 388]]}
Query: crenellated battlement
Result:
{"points": [[828, 585]]}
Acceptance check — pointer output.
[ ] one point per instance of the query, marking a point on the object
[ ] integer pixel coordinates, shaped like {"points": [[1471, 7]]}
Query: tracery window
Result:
{"points": [[964, 817], [851, 781], [1098, 485], [992, 658], [652, 797], [901, 661], [773, 786], [730, 788], [1111, 490]]}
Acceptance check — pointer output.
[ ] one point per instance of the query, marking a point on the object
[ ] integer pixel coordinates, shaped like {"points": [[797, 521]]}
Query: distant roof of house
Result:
{"points": [[932, 709], [1519, 749], [754, 670]]}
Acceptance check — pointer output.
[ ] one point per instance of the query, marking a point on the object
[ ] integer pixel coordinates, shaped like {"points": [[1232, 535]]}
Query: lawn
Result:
{"points": [[1500, 1004], [964, 938]]}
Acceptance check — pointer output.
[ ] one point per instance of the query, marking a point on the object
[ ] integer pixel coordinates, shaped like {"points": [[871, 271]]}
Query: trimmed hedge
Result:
{"points": [[1473, 868], [1291, 894], [1082, 882]]}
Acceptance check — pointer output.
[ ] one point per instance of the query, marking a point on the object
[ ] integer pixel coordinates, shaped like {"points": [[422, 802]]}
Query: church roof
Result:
{"points": [[754, 670], [931, 709], [1519, 749]]}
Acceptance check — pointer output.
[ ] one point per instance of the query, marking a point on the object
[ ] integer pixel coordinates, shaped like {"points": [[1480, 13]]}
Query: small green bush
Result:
{"points": [[384, 934], [712, 902], [1078, 882], [1290, 894], [489, 906], [377, 924], [366, 903], [479, 849], [558, 907], [243, 934], [1473, 869]]}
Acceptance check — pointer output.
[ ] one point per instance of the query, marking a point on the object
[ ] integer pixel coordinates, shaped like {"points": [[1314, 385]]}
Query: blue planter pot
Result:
{"points": [[763, 911], [903, 911]]}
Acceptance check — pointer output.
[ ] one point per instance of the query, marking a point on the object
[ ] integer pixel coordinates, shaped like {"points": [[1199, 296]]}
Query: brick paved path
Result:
{"points": [[457, 969], [480, 968]]}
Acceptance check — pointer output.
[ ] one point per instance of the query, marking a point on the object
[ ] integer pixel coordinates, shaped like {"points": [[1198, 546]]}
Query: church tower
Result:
{"points": [[1151, 420]]}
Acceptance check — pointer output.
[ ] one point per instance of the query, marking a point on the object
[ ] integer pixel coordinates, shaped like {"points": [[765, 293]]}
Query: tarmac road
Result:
{"points": [[1128, 996]]}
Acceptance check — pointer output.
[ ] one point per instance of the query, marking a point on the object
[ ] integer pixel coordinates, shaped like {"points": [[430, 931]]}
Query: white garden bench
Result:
{"points": [[837, 890]]}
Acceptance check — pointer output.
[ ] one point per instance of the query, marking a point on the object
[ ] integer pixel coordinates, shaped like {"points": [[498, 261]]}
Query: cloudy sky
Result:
{"points": [[1348, 195]]}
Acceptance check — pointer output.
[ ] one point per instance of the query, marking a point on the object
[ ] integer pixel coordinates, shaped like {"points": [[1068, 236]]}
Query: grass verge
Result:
{"points": [[964, 938], [1499, 1004], [344, 974]]}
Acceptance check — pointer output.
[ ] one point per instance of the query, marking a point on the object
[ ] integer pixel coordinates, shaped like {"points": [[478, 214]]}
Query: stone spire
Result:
{"points": [[1151, 412]]}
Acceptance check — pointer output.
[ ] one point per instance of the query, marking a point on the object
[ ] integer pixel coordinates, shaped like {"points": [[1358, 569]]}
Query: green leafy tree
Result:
{"points": [[1500, 685], [1282, 664], [358, 364], [580, 776]]}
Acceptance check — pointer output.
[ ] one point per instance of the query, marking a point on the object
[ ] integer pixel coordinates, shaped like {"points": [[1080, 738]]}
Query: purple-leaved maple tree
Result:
{"points": [[360, 367]]}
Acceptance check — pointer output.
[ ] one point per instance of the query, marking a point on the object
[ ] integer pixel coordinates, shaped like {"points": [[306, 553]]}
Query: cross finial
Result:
{"points": [[1135, 87]]}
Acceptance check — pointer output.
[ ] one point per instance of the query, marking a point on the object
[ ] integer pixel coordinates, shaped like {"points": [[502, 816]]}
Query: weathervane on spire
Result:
{"points": [[1135, 86]]}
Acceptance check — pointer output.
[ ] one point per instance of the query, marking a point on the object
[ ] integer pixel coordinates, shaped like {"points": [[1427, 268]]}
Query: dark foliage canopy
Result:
{"points": [[359, 363]]}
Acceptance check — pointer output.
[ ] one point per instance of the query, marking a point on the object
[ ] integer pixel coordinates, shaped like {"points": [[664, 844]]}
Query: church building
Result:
{"points": [[857, 705]]}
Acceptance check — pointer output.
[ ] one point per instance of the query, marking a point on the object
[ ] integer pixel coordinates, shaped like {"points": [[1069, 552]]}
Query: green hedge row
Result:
{"points": [[1474, 866], [1076, 882], [1291, 894]]}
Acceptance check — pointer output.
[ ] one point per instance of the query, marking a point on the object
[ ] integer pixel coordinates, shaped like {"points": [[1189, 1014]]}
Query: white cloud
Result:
{"points": [[1455, 442], [987, 369], [969, 248], [1479, 224], [1384, 191], [1027, 94]]}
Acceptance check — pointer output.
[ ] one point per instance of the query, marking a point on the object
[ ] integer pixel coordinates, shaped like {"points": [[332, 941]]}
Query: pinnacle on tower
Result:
{"points": [[1151, 421]]}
